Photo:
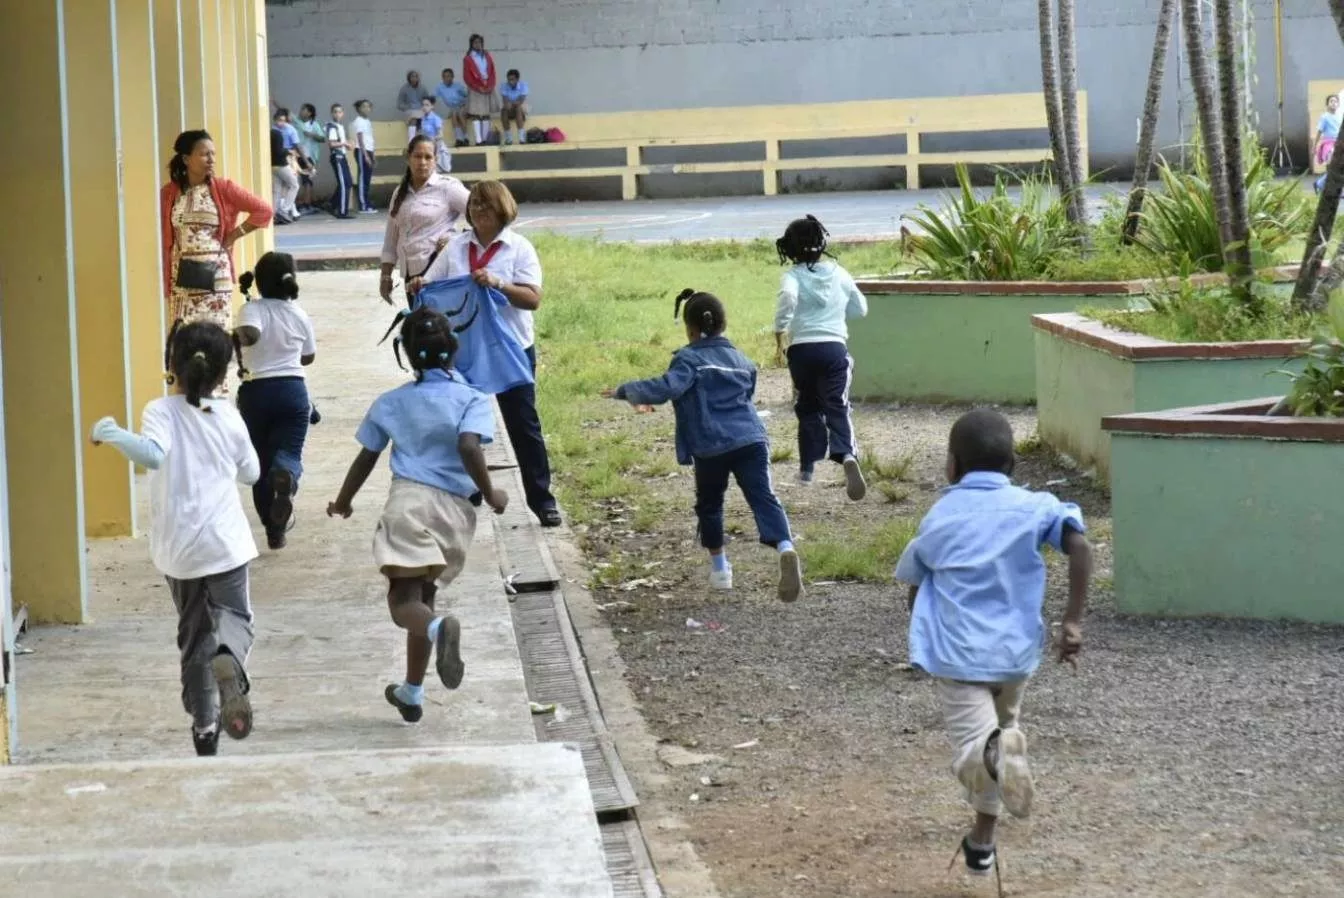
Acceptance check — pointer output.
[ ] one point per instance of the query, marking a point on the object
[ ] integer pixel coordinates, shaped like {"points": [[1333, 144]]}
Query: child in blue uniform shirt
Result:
{"points": [[710, 385], [436, 426], [816, 297], [977, 586]]}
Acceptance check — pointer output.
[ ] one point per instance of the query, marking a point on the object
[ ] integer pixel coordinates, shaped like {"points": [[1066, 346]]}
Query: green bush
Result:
{"points": [[1318, 391], [1179, 223], [992, 237], [1184, 313]]}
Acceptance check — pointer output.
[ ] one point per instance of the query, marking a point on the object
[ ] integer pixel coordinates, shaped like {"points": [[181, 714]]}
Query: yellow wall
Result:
{"points": [[100, 294], [43, 442], [169, 100], [261, 109]]}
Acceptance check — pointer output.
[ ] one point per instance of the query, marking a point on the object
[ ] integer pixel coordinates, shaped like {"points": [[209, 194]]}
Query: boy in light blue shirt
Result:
{"points": [[436, 427], [977, 586], [453, 95], [514, 112]]}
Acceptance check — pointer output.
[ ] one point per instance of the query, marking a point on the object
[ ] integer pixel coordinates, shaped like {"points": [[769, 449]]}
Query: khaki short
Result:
{"points": [[424, 533]]}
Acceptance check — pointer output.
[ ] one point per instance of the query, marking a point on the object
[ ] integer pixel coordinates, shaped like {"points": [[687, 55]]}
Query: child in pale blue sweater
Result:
{"points": [[815, 299]]}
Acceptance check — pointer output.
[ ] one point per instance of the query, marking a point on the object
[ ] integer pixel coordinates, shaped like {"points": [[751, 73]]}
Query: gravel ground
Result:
{"points": [[1183, 758]]}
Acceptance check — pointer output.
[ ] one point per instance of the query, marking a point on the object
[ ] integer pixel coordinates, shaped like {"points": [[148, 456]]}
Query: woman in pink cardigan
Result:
{"points": [[198, 217]]}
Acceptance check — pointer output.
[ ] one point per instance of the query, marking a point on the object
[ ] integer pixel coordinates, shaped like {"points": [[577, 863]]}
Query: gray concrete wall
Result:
{"points": [[618, 55]]}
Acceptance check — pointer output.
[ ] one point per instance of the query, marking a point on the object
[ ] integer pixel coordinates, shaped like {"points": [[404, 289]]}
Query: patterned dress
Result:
{"points": [[196, 227]]}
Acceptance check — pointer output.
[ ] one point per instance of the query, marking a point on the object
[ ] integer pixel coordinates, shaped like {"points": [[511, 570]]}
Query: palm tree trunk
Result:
{"points": [[1054, 115], [1068, 89], [1152, 106], [1210, 122], [1312, 291], [1237, 255]]}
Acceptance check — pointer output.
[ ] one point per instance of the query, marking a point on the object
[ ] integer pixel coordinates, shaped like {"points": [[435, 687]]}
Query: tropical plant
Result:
{"points": [[991, 237], [1318, 390], [1152, 105], [1311, 290], [1180, 222]]}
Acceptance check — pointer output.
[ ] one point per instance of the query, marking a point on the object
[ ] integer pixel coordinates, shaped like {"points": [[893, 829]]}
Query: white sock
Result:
{"points": [[433, 631]]}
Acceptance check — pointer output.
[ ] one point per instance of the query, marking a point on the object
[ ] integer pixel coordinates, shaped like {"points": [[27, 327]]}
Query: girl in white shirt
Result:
{"points": [[499, 258], [275, 342], [196, 447]]}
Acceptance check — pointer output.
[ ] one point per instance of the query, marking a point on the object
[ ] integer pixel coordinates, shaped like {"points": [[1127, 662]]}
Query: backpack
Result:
{"points": [[536, 135], [555, 135]]}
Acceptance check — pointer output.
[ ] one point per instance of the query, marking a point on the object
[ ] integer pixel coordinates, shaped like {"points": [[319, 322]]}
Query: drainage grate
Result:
{"points": [[628, 862]]}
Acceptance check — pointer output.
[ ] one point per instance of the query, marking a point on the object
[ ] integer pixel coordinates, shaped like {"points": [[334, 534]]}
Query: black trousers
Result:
{"points": [[519, 408]]}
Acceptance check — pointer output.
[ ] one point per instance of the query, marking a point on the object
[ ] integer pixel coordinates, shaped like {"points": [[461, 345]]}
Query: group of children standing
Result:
{"points": [[975, 567]]}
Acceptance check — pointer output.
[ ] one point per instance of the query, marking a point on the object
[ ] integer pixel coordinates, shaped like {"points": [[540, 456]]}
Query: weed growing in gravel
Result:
{"points": [[781, 454], [862, 554], [893, 493], [879, 468]]}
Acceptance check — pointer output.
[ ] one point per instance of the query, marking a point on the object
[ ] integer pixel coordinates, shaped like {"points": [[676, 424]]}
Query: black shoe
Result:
{"points": [[282, 499], [979, 861], [448, 652], [550, 517], [409, 713], [207, 744], [276, 540], [462, 143]]}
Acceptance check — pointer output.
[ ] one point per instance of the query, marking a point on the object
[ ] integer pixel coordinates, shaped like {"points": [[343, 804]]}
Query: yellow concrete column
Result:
{"points": [[214, 113], [240, 94], [234, 138], [171, 102], [261, 106], [190, 36], [142, 176], [100, 288], [44, 444]]}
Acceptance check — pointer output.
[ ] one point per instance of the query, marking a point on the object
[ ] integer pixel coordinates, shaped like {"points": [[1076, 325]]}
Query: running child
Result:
{"points": [[816, 296], [275, 342], [196, 448], [977, 586], [436, 426], [710, 385]]}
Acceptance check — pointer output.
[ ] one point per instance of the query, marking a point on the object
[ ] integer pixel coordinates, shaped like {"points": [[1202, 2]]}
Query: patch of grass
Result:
{"points": [[866, 553], [1029, 445], [893, 493], [607, 319], [781, 454], [1210, 315], [880, 468]]}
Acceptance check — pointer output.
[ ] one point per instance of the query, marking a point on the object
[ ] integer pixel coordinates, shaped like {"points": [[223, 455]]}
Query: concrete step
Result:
{"points": [[477, 822]]}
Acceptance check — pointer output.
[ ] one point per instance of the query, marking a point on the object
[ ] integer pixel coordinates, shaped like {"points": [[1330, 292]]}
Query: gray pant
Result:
{"points": [[214, 616], [285, 186]]}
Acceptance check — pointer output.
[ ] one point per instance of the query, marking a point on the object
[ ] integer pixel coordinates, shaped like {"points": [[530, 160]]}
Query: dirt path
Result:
{"points": [[1183, 759]]}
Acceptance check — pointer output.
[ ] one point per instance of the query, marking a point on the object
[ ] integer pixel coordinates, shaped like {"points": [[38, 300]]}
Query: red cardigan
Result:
{"points": [[231, 200], [472, 75]]}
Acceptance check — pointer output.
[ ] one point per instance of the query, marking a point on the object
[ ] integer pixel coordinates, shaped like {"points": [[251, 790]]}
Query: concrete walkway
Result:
{"points": [[332, 794]]}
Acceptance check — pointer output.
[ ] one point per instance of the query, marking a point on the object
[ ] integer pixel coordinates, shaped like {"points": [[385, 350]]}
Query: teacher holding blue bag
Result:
{"points": [[505, 263]]}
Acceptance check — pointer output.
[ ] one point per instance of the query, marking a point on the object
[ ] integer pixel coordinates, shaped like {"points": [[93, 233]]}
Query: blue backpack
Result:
{"points": [[488, 354]]}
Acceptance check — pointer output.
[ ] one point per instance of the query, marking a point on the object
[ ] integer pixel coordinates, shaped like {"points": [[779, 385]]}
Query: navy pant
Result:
{"points": [[821, 375], [340, 199], [365, 181], [519, 409], [750, 467], [276, 411]]}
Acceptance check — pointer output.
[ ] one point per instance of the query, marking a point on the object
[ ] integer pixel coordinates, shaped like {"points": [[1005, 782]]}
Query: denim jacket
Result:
{"points": [[710, 385]]}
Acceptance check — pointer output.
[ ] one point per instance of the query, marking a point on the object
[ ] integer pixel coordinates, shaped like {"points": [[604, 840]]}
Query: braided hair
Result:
{"points": [[274, 278], [803, 243], [196, 355], [429, 341], [703, 310]]}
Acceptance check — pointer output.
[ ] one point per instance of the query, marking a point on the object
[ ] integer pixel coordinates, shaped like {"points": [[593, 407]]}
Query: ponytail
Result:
{"points": [[704, 311], [198, 377], [399, 195]]}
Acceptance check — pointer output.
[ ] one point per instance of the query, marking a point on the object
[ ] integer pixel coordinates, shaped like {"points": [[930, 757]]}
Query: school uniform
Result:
{"points": [[340, 166], [273, 400], [311, 135], [408, 103], [431, 126], [710, 384], [513, 259], [514, 109], [200, 539], [454, 99], [429, 520], [284, 179], [976, 626], [813, 306], [362, 127]]}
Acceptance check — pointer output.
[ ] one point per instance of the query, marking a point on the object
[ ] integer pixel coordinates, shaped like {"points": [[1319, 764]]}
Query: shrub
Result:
{"points": [[1318, 391]]}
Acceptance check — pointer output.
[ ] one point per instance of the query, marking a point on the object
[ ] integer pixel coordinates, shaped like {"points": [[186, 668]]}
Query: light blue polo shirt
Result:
{"points": [[977, 562], [513, 94], [291, 134], [422, 422], [431, 125], [452, 95]]}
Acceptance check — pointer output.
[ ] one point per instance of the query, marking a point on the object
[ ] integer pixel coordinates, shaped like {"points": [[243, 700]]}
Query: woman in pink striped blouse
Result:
{"points": [[424, 209]]}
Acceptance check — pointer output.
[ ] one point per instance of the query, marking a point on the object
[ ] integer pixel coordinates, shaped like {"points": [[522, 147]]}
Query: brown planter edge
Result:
{"points": [[908, 286], [1080, 329], [1228, 419]]}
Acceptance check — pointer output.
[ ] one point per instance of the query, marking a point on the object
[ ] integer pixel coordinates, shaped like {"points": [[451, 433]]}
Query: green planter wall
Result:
{"points": [[1220, 511], [1086, 371], [954, 341]]}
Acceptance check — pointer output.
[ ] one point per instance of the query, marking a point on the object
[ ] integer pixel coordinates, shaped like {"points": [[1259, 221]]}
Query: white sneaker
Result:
{"points": [[855, 487], [721, 579], [790, 576], [1014, 773]]}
